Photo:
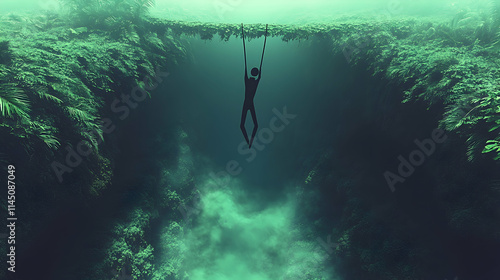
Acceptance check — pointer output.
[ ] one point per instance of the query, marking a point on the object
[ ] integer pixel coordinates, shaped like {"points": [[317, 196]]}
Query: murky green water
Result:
{"points": [[350, 91]]}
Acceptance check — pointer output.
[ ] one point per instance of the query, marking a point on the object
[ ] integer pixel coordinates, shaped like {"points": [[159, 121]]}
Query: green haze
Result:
{"points": [[290, 12]]}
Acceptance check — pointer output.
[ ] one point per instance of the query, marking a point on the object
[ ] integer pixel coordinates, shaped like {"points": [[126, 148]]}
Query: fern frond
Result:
{"points": [[142, 6], [13, 102], [46, 96], [475, 144], [79, 114], [492, 146], [51, 141], [453, 117]]}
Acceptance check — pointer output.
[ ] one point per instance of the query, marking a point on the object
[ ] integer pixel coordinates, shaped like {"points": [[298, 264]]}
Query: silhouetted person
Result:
{"points": [[250, 89]]}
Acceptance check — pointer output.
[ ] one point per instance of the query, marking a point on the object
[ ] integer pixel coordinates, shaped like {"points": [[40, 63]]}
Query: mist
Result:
{"points": [[179, 192], [279, 11], [248, 225], [295, 79], [303, 12]]}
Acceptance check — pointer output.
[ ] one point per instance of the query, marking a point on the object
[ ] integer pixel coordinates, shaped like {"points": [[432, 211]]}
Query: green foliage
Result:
{"points": [[42, 93], [5, 55], [448, 65], [487, 33], [129, 250], [55, 79], [470, 113], [101, 176], [49, 139], [173, 250], [490, 112], [78, 114], [13, 102], [493, 146], [466, 29], [106, 14]]}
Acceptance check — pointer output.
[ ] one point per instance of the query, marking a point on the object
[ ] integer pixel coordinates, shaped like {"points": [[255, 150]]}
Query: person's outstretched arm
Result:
{"points": [[244, 51], [262, 59]]}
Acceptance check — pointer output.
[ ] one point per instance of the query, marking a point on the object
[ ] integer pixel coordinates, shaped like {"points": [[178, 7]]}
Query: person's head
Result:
{"points": [[254, 72]]}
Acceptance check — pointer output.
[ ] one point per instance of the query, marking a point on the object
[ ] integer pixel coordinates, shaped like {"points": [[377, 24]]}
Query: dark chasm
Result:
{"points": [[376, 154]]}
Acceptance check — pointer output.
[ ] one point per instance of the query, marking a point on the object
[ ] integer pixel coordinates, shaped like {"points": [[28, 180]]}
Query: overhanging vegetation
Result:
{"points": [[59, 75]]}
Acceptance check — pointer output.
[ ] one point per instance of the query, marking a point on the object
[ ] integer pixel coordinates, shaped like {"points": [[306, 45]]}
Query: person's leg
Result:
{"points": [[255, 124], [242, 124]]}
